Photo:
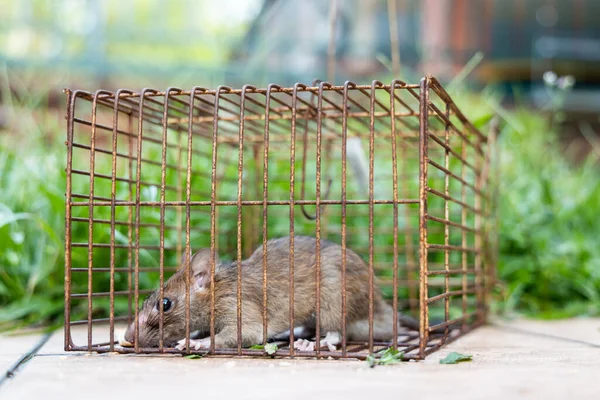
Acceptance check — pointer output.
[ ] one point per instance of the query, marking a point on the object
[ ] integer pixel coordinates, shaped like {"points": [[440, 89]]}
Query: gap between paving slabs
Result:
{"points": [[14, 369], [51, 344], [543, 334]]}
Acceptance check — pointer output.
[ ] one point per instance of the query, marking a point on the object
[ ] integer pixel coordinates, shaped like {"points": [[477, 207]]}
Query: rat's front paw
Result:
{"points": [[194, 344], [304, 345], [331, 340]]}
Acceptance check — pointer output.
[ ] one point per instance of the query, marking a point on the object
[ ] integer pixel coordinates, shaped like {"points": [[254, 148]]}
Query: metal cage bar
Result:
{"points": [[143, 167]]}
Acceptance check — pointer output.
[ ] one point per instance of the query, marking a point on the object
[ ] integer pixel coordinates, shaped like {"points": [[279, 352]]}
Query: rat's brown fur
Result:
{"points": [[357, 297]]}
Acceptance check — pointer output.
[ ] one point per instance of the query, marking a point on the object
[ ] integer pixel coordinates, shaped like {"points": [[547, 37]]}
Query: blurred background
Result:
{"points": [[535, 63]]}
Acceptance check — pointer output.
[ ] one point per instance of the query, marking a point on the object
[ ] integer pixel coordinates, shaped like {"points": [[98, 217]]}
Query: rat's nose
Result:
{"points": [[128, 338], [130, 332]]}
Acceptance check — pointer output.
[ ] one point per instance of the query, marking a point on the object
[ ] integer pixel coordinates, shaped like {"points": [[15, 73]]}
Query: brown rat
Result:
{"points": [[357, 299]]}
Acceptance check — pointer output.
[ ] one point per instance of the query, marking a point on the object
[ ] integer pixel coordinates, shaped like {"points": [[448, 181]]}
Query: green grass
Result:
{"points": [[549, 259], [549, 242], [31, 231]]}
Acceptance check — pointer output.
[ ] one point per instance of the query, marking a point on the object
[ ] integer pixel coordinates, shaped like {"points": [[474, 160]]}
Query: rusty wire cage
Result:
{"points": [[394, 172]]}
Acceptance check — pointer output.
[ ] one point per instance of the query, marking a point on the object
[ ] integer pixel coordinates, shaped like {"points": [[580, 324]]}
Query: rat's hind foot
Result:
{"points": [[304, 345], [194, 344], [331, 340]]}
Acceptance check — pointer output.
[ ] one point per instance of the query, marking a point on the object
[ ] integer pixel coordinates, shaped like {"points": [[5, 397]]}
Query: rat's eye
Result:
{"points": [[166, 304]]}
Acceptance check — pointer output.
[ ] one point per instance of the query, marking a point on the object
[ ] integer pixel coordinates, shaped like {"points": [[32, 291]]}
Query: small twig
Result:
{"points": [[395, 49], [331, 48], [588, 133], [465, 71]]}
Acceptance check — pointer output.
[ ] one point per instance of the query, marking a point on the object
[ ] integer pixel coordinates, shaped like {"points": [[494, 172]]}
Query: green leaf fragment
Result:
{"points": [[270, 348], [193, 356], [371, 360], [388, 357], [454, 358]]}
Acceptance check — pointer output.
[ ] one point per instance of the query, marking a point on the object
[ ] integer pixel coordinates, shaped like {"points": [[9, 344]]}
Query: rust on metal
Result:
{"points": [[447, 225], [318, 219], [344, 216], [213, 213], [166, 173], [372, 102], [68, 218], [423, 239], [294, 105], [395, 209], [113, 209], [243, 97]]}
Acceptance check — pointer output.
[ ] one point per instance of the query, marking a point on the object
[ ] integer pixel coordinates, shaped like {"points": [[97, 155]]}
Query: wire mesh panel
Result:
{"points": [[354, 210]]}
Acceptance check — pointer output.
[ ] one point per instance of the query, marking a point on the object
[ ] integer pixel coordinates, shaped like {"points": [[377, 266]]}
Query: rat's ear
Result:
{"points": [[184, 257], [200, 267]]}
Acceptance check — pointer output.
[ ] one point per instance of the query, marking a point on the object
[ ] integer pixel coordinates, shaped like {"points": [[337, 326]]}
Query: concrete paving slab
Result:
{"points": [[79, 334], [506, 365], [577, 329], [12, 347]]}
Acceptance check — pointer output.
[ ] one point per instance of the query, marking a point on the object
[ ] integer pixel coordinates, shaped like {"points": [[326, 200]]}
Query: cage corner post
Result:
{"points": [[495, 218], [69, 143], [490, 232], [481, 202], [423, 243]]}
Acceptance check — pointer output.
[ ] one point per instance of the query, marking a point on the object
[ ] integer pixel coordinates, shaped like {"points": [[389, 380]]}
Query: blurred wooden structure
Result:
{"points": [[177, 43], [436, 36]]}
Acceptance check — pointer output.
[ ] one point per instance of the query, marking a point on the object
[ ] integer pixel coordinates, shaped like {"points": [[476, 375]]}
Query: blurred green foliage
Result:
{"points": [[549, 244], [143, 42]]}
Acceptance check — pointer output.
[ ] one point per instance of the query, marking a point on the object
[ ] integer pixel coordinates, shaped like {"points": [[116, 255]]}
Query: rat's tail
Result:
{"points": [[383, 327]]}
